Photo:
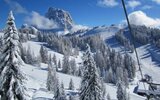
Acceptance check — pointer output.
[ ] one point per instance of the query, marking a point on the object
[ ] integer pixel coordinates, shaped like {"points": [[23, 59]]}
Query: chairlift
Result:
{"points": [[153, 90]]}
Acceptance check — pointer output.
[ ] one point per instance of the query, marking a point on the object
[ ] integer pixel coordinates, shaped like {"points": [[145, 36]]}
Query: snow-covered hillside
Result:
{"points": [[37, 75], [36, 78], [103, 31], [148, 64]]}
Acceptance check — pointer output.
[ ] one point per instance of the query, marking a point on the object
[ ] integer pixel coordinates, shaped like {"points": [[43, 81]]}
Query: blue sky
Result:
{"points": [[84, 12]]}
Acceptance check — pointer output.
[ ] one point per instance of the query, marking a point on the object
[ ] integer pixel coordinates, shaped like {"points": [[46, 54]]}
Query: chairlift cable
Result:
{"points": [[133, 40]]}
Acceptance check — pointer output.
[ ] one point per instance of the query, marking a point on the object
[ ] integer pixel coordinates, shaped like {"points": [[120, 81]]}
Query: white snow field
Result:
{"points": [[36, 78]]}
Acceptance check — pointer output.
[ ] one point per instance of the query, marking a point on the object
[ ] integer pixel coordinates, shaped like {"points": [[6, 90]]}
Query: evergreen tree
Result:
{"points": [[1, 43], [11, 78], [40, 37], [71, 97], [119, 74], [79, 72], [58, 95], [130, 66], [52, 77], [108, 97], [121, 91], [29, 56], [23, 37], [125, 78], [59, 64], [73, 66], [71, 85], [55, 60], [37, 61], [63, 95], [109, 77], [103, 88], [90, 85], [23, 54], [66, 65], [44, 54]]}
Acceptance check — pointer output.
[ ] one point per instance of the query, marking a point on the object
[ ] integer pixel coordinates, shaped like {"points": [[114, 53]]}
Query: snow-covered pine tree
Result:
{"points": [[59, 64], [103, 88], [1, 43], [71, 85], [23, 37], [73, 66], [121, 91], [66, 68], [44, 54], [79, 72], [40, 37], [59, 94], [23, 53], [29, 56], [109, 77], [11, 78], [71, 97], [91, 84], [55, 60], [125, 78], [108, 97], [130, 66], [119, 74], [52, 80], [63, 95]]}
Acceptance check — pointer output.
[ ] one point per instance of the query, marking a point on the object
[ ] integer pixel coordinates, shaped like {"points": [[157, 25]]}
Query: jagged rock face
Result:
{"points": [[61, 17]]}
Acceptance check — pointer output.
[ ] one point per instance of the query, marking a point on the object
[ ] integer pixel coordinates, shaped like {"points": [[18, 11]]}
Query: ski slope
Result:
{"points": [[148, 65]]}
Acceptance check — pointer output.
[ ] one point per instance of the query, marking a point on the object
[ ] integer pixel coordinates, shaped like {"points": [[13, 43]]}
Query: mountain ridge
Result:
{"points": [[60, 16]]}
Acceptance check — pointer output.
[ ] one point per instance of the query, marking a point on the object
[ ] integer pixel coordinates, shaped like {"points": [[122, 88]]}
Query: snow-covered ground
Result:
{"points": [[36, 75], [35, 47], [147, 54], [36, 78], [148, 65]]}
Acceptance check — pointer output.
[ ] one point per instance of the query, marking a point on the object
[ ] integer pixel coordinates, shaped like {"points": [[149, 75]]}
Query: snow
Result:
{"points": [[37, 80], [1, 34], [148, 66], [37, 76], [104, 31], [149, 60], [41, 94], [148, 55], [35, 46]]}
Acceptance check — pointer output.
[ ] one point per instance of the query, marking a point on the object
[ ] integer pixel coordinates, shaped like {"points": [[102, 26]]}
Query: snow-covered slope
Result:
{"points": [[148, 55], [35, 47], [37, 75], [103, 31], [36, 78]]}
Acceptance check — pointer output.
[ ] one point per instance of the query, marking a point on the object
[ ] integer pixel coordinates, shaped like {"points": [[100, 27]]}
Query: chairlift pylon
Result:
{"points": [[146, 79]]}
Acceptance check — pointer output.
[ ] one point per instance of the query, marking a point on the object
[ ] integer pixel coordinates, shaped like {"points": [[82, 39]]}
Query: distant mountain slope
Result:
{"points": [[103, 31]]}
